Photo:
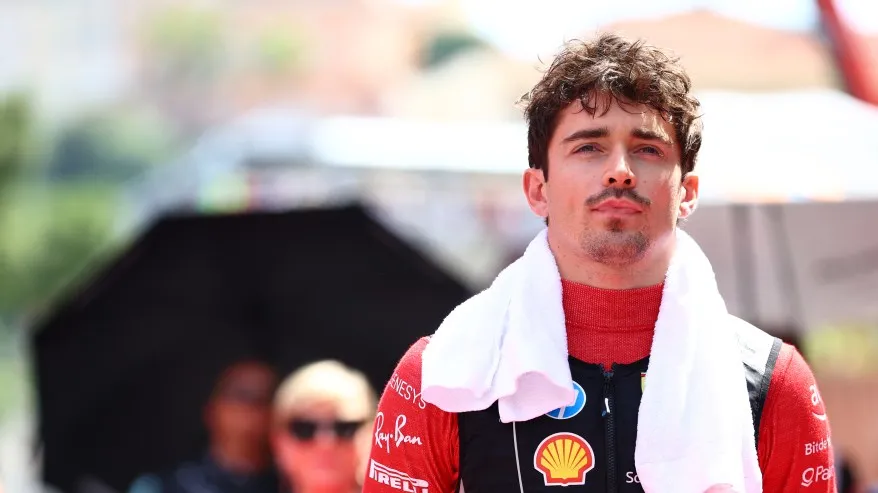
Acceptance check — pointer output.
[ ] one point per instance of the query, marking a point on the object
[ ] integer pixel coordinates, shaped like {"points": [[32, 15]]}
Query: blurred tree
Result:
{"points": [[15, 127], [47, 240], [280, 51], [47, 232], [186, 56], [445, 45], [110, 146], [186, 44]]}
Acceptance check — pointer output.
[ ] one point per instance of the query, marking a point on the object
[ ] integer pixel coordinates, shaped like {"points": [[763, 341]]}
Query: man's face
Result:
{"points": [[317, 450], [614, 187], [241, 409]]}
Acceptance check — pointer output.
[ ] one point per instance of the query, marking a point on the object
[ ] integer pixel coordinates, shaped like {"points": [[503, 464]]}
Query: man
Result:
{"points": [[322, 418], [238, 420], [613, 136]]}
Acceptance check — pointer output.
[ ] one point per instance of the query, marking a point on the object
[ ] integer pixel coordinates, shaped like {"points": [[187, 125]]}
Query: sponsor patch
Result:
{"points": [[397, 480], [407, 391], [814, 475], [564, 459], [816, 447], [572, 410], [816, 402], [397, 437]]}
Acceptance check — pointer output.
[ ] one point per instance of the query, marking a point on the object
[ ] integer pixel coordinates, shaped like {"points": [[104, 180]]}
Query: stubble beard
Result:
{"points": [[614, 246]]}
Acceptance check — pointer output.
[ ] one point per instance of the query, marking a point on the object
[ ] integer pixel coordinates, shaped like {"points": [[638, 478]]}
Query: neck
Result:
{"points": [[240, 457], [578, 267]]}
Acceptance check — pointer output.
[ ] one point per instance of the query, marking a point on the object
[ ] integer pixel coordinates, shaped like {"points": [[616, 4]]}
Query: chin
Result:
{"points": [[616, 247], [616, 226]]}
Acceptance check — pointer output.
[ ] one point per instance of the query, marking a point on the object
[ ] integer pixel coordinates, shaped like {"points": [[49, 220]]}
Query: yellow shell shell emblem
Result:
{"points": [[642, 381], [564, 459]]}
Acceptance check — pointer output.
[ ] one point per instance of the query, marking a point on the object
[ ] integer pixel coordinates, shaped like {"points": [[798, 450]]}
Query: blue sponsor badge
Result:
{"points": [[572, 410]]}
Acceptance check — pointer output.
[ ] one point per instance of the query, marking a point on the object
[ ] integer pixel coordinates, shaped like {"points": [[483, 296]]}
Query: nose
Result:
{"points": [[325, 439], [618, 173]]}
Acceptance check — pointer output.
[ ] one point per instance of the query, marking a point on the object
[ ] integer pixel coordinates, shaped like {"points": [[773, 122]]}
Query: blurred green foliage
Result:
{"points": [[49, 236], [446, 45], [188, 43], [280, 51], [52, 229], [843, 349], [109, 146], [15, 380], [14, 138]]}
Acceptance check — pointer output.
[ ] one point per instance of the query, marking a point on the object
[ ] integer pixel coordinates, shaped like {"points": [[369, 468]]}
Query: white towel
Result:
{"points": [[508, 344]]}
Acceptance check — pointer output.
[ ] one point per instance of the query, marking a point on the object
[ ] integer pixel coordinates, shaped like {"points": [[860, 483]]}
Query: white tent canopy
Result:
{"points": [[815, 145], [807, 145], [810, 265]]}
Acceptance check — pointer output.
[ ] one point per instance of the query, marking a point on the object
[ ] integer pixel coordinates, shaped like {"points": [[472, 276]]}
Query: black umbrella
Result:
{"points": [[124, 368]]}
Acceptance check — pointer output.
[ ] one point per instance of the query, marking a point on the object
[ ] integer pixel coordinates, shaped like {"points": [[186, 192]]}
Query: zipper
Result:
{"points": [[610, 427]]}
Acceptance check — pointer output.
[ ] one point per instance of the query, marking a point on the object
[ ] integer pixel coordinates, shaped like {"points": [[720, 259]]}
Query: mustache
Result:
{"points": [[617, 193]]}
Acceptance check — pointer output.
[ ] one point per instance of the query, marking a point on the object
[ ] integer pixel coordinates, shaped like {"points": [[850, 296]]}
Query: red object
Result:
{"points": [[794, 450], [850, 53]]}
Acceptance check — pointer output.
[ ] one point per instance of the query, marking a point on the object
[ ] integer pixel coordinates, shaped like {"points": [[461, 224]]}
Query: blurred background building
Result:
{"points": [[116, 114]]}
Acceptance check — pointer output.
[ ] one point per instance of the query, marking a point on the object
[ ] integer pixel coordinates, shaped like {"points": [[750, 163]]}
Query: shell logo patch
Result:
{"points": [[564, 459], [642, 381]]}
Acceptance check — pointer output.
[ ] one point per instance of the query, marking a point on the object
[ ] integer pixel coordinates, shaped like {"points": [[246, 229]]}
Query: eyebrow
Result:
{"points": [[601, 132], [646, 134], [587, 133]]}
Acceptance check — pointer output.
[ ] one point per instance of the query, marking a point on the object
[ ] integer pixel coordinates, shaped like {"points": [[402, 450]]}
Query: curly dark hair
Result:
{"points": [[629, 72]]}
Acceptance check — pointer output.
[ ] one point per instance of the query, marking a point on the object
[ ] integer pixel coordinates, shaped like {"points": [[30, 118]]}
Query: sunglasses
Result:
{"points": [[305, 430]]}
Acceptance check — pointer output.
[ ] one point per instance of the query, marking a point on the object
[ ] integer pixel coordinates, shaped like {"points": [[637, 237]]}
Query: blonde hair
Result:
{"points": [[326, 381]]}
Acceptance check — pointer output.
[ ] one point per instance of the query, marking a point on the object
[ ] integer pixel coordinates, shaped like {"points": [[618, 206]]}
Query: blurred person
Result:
{"points": [[604, 358], [847, 479], [320, 436], [238, 421]]}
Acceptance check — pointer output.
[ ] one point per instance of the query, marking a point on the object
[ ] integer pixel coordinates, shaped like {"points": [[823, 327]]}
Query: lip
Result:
{"points": [[618, 206]]}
